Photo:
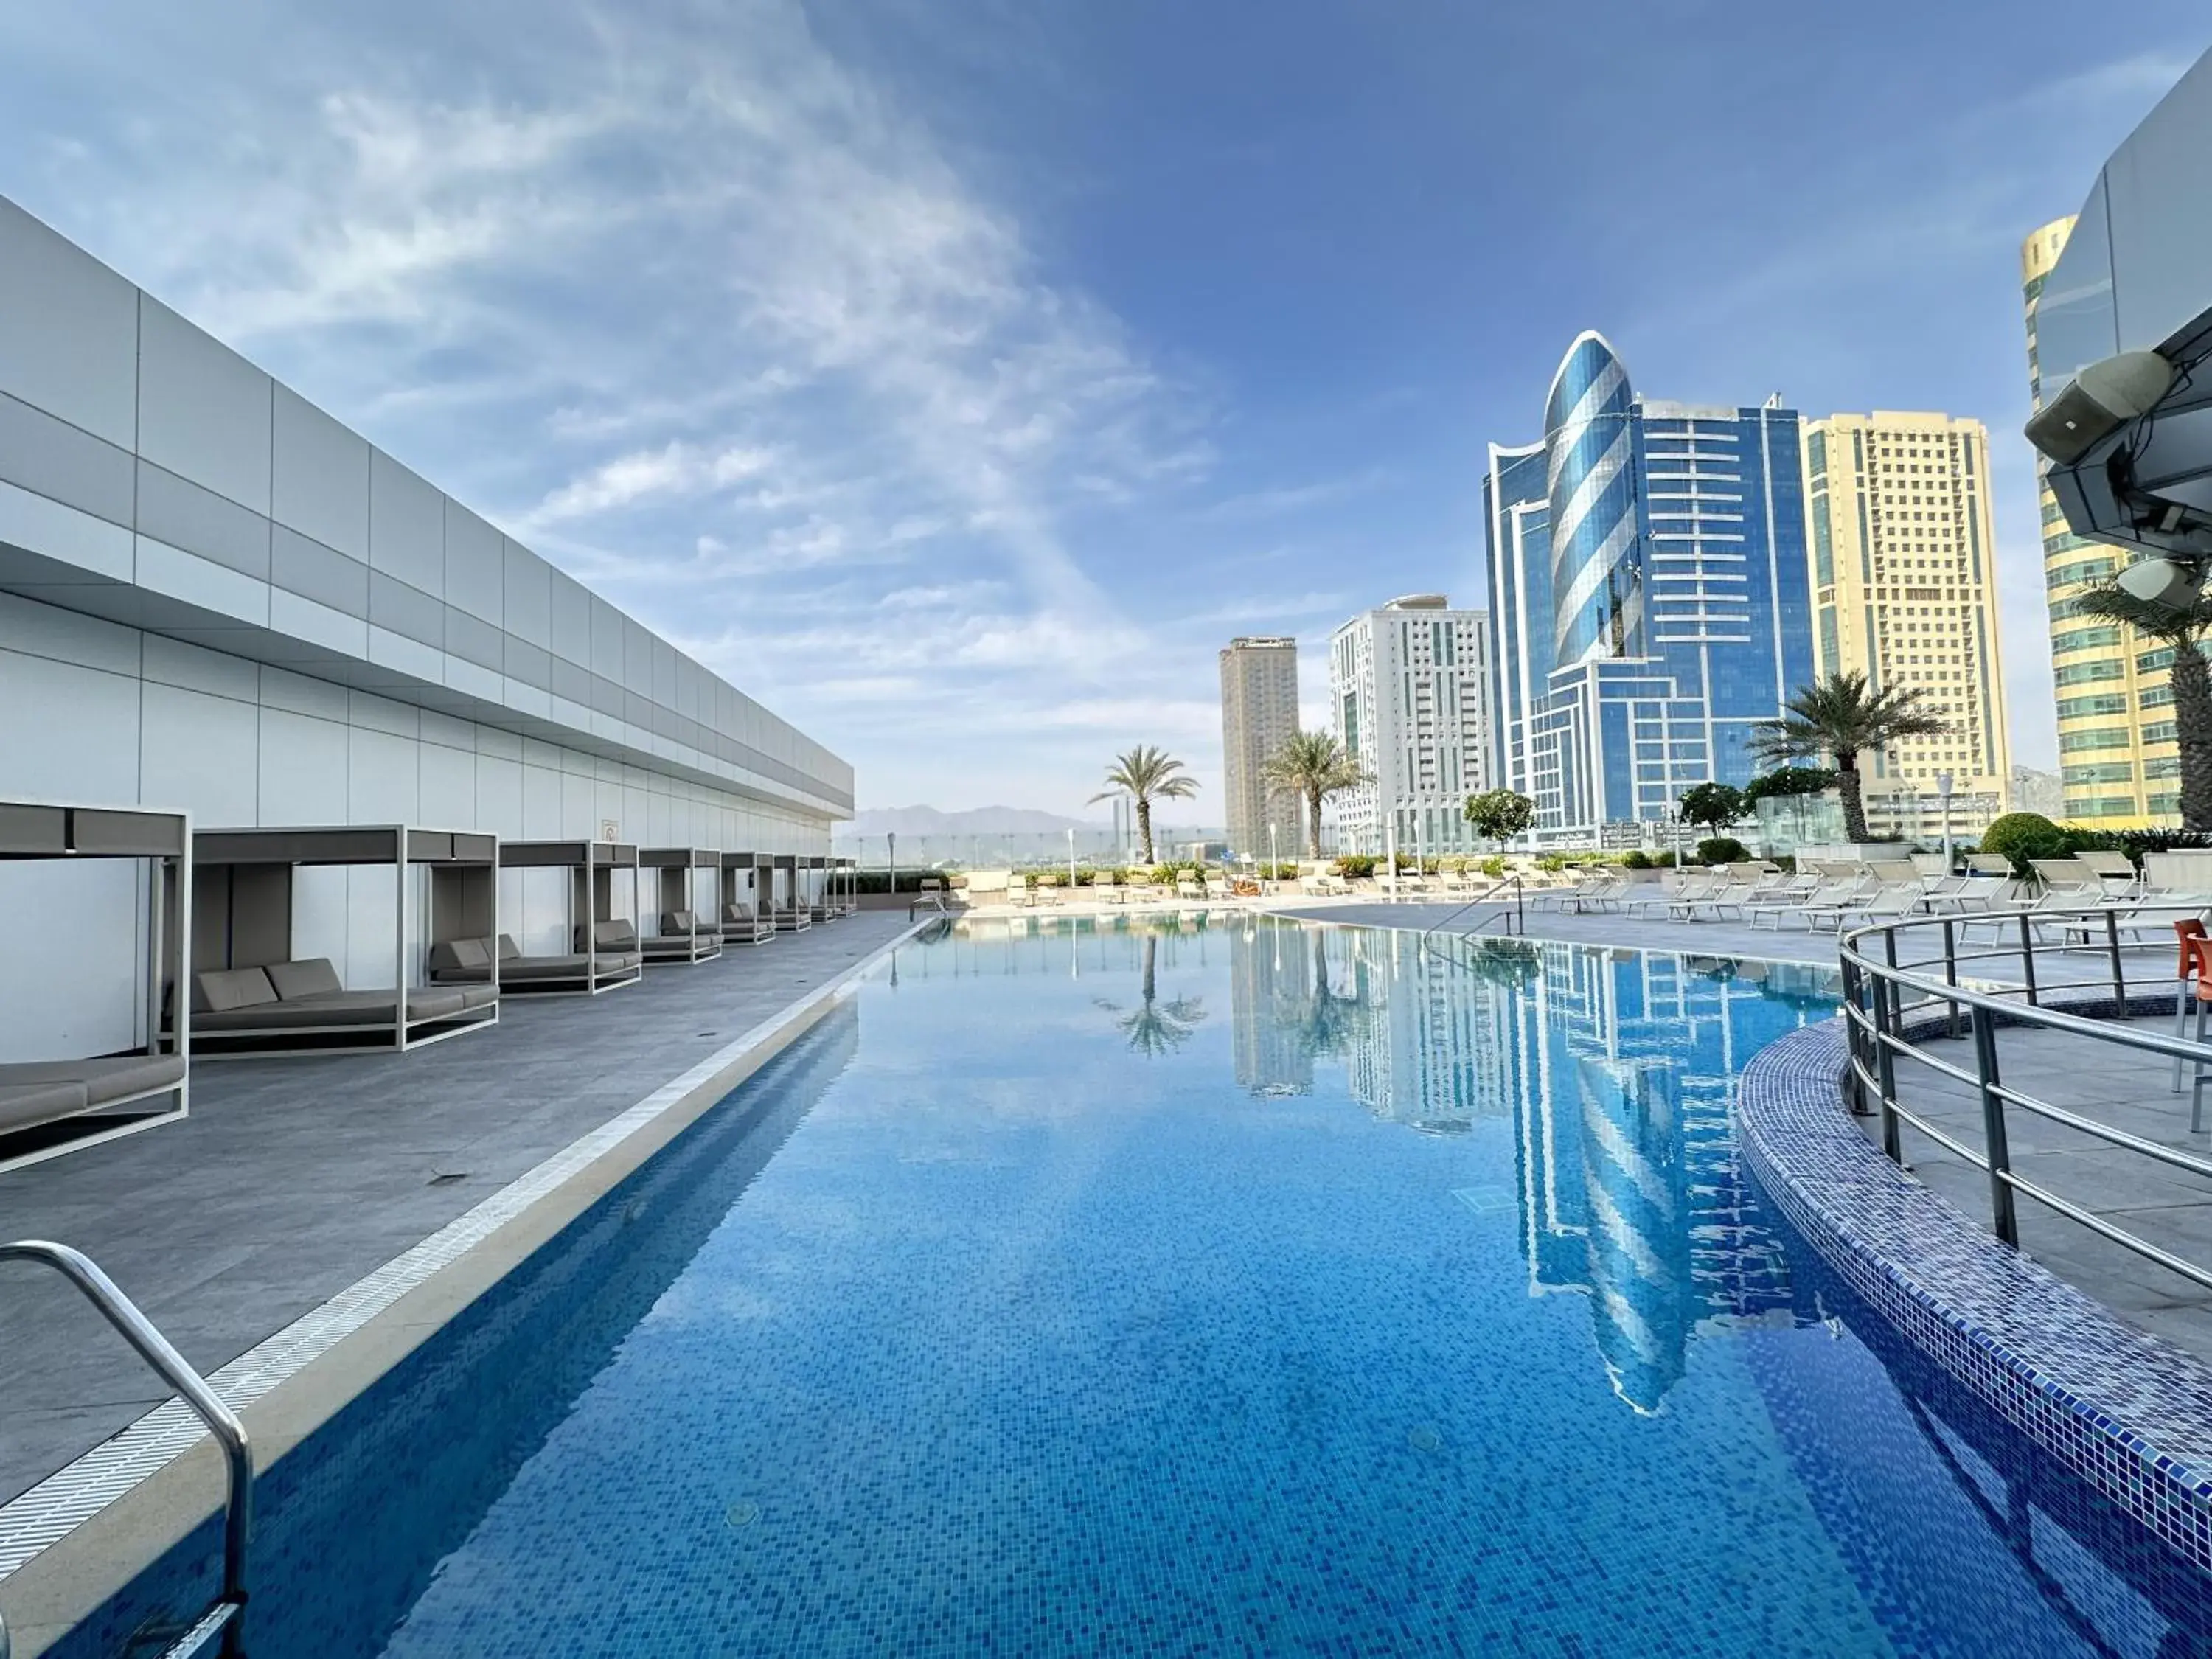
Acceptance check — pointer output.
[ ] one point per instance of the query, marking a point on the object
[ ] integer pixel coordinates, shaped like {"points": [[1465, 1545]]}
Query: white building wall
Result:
{"points": [[215, 597], [1409, 690]]}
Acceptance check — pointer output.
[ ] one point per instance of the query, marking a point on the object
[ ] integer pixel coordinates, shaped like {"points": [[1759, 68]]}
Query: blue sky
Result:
{"points": [[958, 377]]}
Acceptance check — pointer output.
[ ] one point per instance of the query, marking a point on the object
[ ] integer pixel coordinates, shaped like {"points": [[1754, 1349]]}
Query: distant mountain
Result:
{"points": [[975, 821]]}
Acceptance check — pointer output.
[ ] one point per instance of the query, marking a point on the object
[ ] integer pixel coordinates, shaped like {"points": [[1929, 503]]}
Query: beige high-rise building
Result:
{"points": [[1904, 592], [1259, 713], [2117, 761]]}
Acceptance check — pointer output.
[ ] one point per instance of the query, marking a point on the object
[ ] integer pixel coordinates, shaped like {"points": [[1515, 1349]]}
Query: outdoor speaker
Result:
{"points": [[2097, 402]]}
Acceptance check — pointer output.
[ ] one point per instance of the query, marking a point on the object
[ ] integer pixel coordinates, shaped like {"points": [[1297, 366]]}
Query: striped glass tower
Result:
{"points": [[1598, 608]]}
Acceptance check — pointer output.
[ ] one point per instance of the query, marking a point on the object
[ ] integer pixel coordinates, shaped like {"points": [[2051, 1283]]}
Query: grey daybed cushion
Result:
{"points": [[301, 995], [463, 960], [111, 1077], [609, 936], [26, 1105]]}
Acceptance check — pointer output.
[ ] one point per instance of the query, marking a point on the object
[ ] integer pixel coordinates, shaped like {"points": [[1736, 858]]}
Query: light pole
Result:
{"points": [[1274, 855], [1943, 796], [891, 856], [1070, 862]]}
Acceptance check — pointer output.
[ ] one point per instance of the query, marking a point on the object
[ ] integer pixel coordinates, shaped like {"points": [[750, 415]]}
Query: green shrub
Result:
{"points": [[1637, 859], [1355, 866], [2020, 836], [1163, 875], [1494, 867], [1086, 878], [1721, 849]]}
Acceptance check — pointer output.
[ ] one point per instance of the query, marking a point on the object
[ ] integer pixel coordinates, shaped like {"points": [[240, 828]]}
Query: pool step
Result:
{"points": [[215, 1621]]}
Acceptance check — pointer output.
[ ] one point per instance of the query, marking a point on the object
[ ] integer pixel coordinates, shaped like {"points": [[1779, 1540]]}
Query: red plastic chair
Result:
{"points": [[2200, 951], [2186, 932]]}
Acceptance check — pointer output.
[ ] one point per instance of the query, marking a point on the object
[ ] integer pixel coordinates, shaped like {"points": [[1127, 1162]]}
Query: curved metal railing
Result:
{"points": [[227, 1615], [1896, 1000]]}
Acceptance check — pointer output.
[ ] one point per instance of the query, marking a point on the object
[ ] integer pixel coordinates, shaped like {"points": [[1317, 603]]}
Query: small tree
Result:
{"points": [[1785, 781], [1500, 814], [1713, 805], [1314, 766], [1843, 716]]}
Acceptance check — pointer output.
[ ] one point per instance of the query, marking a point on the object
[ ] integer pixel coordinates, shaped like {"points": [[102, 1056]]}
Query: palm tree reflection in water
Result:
{"points": [[1159, 1027]]}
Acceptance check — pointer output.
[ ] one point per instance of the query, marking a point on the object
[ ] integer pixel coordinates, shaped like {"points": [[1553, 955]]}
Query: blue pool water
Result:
{"points": [[1243, 1289]]}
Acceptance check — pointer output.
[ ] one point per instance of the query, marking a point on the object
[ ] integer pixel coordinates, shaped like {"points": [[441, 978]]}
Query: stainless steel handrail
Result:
{"points": [[1517, 917], [1876, 1015], [175, 1370]]}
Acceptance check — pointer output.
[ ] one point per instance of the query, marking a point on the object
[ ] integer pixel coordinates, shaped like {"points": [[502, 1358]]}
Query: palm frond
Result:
{"points": [[2113, 602]]}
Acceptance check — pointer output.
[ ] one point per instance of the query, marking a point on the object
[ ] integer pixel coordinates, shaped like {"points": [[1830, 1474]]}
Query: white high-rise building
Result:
{"points": [[1259, 715], [1409, 688]]}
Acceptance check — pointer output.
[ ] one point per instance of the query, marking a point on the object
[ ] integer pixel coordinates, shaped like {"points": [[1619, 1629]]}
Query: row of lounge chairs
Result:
{"points": [[1762, 895]]}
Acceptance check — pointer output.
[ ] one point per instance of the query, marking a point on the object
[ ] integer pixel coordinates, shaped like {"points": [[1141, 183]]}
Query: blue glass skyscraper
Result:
{"points": [[1650, 601]]}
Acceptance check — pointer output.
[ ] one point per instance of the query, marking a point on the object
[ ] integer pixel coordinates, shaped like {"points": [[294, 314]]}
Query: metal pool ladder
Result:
{"points": [[227, 1617]]}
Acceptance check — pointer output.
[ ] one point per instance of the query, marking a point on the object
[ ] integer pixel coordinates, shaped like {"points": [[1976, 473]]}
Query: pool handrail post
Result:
{"points": [[2003, 1217], [175, 1370]]}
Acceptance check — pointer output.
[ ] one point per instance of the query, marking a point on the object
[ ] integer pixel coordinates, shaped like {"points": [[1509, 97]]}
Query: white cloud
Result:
{"points": [[698, 311]]}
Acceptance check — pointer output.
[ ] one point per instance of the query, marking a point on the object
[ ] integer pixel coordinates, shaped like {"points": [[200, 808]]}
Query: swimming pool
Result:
{"points": [[1243, 1288]]}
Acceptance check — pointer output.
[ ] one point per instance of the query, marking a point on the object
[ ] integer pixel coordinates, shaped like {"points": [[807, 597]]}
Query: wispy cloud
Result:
{"points": [[747, 334]]}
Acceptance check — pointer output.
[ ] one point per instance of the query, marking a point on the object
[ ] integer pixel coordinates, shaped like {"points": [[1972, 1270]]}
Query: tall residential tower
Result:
{"points": [[2116, 756], [1409, 699], [1649, 597], [1904, 591], [1259, 713]]}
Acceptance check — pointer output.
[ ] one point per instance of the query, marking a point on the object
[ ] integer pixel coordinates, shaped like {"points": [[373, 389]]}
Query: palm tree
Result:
{"points": [[1159, 1028], [1843, 717], [2183, 629], [1145, 775], [1314, 766]]}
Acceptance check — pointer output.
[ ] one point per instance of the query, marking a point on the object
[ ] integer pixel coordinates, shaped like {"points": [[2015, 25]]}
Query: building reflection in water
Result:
{"points": [[1615, 1070]]}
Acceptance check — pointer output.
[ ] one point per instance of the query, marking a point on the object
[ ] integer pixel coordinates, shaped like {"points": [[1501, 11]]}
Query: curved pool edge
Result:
{"points": [[2127, 1413]]}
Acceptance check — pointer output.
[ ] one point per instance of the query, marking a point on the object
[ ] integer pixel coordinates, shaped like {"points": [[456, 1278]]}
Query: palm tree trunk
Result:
{"points": [[2192, 721], [1847, 784], [1313, 831], [1144, 826]]}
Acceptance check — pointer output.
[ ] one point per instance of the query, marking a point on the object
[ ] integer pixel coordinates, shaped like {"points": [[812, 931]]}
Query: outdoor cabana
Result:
{"points": [[746, 918], [814, 885], [844, 892], [786, 903], [275, 911], [687, 886], [573, 906], [104, 898]]}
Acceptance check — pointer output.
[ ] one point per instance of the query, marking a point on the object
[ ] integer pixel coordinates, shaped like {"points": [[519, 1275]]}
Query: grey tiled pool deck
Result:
{"points": [[2167, 1208], [292, 1179]]}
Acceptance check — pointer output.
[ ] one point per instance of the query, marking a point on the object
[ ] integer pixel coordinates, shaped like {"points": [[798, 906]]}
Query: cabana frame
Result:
{"points": [[748, 874], [243, 896], [685, 937], [596, 964], [790, 908], [814, 876], [848, 886], [48, 1107]]}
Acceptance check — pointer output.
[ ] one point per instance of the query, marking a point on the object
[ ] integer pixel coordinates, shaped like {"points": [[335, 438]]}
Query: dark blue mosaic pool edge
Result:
{"points": [[2130, 1414]]}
